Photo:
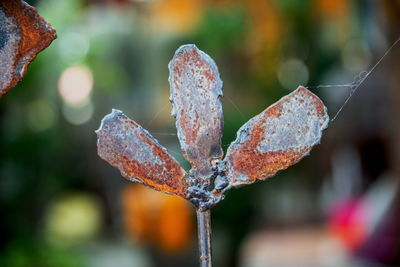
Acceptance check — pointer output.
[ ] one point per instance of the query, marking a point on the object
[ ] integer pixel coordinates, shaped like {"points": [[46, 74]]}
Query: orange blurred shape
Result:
{"points": [[266, 23], [266, 31], [333, 9], [223, 3], [158, 219], [176, 16]]}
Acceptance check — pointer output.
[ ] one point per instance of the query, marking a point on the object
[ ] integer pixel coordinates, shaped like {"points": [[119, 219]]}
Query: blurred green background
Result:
{"points": [[63, 206]]}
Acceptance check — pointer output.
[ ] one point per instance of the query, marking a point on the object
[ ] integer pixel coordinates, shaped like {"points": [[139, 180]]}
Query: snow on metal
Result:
{"points": [[140, 158], [23, 34], [275, 139]]}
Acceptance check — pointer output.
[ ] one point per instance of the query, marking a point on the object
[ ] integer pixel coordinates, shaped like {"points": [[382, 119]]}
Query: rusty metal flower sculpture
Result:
{"points": [[273, 140], [23, 34]]}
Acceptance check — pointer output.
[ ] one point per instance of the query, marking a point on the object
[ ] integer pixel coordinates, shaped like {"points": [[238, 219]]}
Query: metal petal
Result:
{"points": [[23, 34], [278, 137], [140, 158], [195, 96]]}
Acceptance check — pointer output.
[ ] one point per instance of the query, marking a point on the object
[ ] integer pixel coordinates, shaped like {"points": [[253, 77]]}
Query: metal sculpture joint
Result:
{"points": [[275, 139]]}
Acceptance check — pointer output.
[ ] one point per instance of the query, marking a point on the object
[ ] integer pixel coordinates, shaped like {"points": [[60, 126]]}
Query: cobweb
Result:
{"points": [[353, 87], [357, 82]]}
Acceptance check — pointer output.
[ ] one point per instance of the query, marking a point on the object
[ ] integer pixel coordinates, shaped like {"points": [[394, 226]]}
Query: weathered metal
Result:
{"points": [[272, 141], [204, 232], [196, 89], [195, 96], [140, 158], [23, 34], [278, 137]]}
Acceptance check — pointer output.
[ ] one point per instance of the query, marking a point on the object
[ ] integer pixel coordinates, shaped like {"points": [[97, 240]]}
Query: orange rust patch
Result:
{"points": [[191, 131], [274, 111], [127, 146], [166, 178], [209, 75], [259, 153], [36, 34], [258, 166], [195, 92], [246, 160]]}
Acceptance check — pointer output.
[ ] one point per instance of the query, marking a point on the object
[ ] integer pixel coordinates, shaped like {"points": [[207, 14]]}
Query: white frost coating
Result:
{"points": [[299, 126], [10, 35], [196, 97]]}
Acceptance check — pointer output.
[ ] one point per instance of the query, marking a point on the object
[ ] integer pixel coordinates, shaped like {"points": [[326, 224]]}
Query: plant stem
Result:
{"points": [[204, 235]]}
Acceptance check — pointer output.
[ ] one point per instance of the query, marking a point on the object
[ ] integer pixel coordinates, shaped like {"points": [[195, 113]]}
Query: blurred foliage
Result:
{"points": [[25, 254], [48, 145]]}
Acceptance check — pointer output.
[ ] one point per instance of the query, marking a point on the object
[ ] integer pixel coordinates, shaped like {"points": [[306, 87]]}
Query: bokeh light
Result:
{"points": [[41, 114], [292, 73], [73, 218], [75, 85], [78, 114]]}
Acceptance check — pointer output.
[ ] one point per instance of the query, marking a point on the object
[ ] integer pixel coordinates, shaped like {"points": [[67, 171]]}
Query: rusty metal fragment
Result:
{"points": [[140, 158], [276, 138], [272, 141], [23, 34], [195, 96]]}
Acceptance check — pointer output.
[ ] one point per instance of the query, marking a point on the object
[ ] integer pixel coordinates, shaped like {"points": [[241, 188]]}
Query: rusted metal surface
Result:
{"points": [[271, 141], [195, 95], [23, 34], [277, 138], [140, 158], [204, 234]]}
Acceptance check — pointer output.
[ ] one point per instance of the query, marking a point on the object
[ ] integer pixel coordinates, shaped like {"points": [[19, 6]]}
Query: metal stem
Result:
{"points": [[204, 235]]}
